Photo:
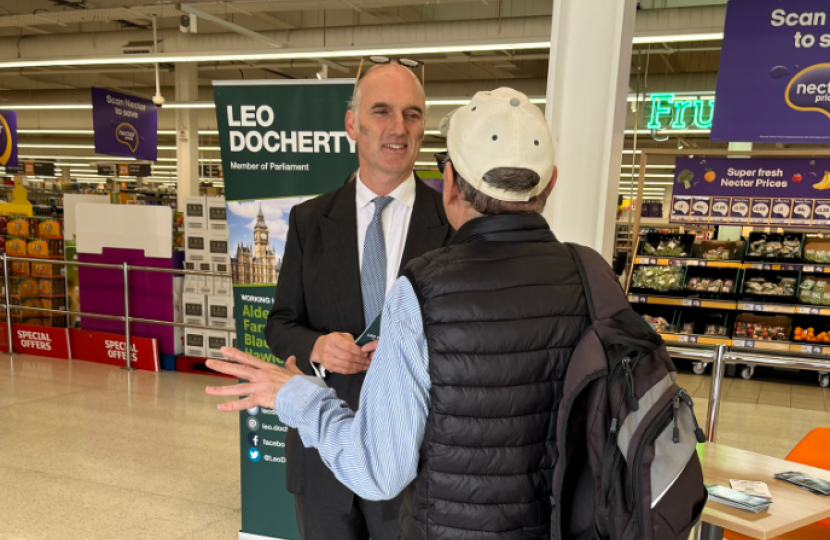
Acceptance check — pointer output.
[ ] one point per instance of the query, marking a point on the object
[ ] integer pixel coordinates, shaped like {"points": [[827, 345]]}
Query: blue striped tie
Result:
{"points": [[373, 272]]}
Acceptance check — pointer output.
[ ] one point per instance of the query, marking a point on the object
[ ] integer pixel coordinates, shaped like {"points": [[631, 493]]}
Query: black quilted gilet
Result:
{"points": [[503, 308]]}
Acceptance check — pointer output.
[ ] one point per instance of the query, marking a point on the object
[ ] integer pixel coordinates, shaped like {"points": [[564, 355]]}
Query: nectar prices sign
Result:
{"points": [[774, 75], [37, 340], [784, 192]]}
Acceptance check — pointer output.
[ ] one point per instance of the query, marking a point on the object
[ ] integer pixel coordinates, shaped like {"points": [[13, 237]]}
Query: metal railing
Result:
{"points": [[126, 319], [721, 355]]}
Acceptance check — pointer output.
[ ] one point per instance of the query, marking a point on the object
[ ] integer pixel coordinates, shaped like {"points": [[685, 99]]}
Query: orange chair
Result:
{"points": [[813, 450]]}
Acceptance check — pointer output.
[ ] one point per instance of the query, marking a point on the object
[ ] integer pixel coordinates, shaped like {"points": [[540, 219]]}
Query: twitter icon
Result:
{"points": [[254, 455]]}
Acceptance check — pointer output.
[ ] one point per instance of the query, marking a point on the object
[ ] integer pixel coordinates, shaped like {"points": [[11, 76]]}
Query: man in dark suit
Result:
{"points": [[343, 252]]}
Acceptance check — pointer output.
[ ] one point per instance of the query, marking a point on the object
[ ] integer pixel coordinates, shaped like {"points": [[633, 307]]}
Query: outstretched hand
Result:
{"points": [[265, 379]]}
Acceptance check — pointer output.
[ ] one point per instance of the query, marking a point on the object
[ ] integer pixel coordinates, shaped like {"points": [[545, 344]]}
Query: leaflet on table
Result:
{"points": [[821, 214], [739, 211], [720, 210], [781, 210], [802, 213], [681, 208], [700, 210]]}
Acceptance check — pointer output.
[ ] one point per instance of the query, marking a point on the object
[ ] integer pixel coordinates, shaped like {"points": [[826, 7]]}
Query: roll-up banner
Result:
{"points": [[282, 142]]}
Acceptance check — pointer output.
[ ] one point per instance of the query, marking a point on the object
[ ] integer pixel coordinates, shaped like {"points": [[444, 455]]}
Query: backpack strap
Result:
{"points": [[603, 292]]}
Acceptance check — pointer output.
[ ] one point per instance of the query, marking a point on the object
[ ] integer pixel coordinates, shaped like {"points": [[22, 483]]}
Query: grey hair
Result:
{"points": [[508, 179]]}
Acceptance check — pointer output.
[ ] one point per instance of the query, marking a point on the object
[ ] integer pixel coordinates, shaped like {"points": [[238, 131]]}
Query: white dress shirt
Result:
{"points": [[395, 220]]}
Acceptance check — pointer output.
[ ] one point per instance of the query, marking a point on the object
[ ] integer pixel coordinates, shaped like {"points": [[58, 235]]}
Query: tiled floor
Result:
{"points": [[90, 452]]}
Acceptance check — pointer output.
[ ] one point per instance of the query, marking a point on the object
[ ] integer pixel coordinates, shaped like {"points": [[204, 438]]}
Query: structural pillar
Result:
{"points": [[588, 79], [187, 133]]}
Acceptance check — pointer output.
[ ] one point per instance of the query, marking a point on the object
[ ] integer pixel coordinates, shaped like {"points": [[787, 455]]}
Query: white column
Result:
{"points": [[187, 132], [588, 77]]}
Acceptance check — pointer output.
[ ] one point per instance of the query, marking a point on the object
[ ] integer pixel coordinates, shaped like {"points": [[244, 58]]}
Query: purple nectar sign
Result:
{"points": [[124, 125], [8, 138], [781, 192], [774, 76]]}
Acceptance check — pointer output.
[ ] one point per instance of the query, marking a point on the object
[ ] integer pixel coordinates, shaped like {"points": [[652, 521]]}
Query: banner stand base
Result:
{"points": [[249, 536]]}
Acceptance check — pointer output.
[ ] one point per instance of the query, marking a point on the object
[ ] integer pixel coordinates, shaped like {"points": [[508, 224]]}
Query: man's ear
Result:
{"points": [[552, 181], [450, 188], [350, 125]]}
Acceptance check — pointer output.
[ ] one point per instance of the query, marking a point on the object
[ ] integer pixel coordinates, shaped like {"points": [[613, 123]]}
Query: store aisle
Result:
{"points": [[762, 416], [88, 452]]}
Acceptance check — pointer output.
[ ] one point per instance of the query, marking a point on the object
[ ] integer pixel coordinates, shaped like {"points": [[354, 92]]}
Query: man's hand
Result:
{"points": [[265, 379], [370, 348], [338, 353]]}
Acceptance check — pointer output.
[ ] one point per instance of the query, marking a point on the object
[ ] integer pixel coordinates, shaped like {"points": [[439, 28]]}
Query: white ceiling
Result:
{"points": [[64, 30]]}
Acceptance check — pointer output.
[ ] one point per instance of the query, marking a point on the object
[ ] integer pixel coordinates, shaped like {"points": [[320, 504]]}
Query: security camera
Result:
{"points": [[187, 24], [158, 99]]}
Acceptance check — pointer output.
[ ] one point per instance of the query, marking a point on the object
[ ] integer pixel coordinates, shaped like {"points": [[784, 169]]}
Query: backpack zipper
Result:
{"points": [[660, 422], [612, 466], [687, 399], [612, 460], [628, 367]]}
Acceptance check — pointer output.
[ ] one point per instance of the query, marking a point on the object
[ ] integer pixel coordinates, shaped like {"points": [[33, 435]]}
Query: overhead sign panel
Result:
{"points": [[774, 76]]}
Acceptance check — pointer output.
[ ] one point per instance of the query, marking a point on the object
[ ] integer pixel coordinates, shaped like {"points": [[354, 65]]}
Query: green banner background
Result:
{"points": [[261, 187]]}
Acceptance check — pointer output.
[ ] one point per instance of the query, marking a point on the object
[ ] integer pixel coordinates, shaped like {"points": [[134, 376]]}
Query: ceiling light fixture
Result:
{"points": [[294, 54]]}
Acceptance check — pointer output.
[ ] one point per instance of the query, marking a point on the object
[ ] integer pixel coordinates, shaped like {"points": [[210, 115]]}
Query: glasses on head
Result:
{"points": [[442, 159], [381, 60]]}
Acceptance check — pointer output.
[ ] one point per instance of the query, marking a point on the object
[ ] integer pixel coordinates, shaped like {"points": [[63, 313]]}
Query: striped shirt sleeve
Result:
{"points": [[373, 451]]}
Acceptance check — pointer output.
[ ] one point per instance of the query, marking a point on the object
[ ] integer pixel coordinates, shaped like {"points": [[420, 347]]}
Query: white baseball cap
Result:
{"points": [[498, 129]]}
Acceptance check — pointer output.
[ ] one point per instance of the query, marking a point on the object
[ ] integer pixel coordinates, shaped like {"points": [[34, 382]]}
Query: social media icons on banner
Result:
{"points": [[252, 423], [253, 439], [254, 455]]}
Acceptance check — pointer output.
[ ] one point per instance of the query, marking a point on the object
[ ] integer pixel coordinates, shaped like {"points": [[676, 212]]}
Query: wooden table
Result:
{"points": [[792, 507]]}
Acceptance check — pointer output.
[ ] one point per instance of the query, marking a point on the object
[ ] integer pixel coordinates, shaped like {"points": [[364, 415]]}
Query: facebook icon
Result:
{"points": [[253, 439]]}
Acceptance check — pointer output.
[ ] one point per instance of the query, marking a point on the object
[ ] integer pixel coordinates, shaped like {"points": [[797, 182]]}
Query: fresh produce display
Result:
{"points": [[721, 253], [721, 291], [658, 278], [776, 286], [659, 324], [760, 331], [666, 248], [809, 334], [820, 256], [715, 330], [775, 247], [711, 285], [814, 291]]}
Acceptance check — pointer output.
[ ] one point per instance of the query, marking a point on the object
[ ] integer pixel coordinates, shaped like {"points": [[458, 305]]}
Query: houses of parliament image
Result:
{"points": [[257, 265]]}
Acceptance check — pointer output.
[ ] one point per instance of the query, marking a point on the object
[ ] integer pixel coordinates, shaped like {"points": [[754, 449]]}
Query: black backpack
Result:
{"points": [[627, 466]]}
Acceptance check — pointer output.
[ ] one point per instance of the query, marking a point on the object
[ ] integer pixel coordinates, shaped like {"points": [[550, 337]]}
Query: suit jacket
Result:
{"points": [[318, 293]]}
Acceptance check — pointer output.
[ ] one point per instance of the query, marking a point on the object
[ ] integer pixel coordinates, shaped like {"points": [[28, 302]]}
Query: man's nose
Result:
{"points": [[398, 126]]}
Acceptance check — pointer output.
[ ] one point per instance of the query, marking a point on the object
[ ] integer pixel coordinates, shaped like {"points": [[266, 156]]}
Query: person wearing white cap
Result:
{"points": [[459, 406]]}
